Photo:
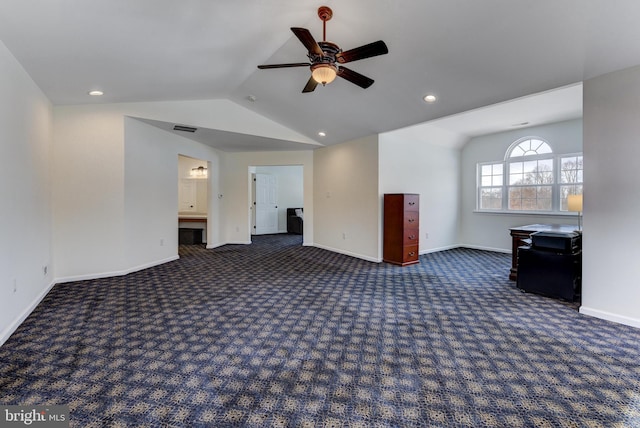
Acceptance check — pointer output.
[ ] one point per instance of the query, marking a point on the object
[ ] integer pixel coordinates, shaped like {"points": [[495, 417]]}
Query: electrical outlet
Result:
{"points": [[426, 235], [161, 242], [344, 235], [15, 285], [45, 269]]}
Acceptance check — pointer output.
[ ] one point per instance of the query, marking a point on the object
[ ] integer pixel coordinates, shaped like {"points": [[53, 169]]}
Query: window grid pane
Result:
{"points": [[531, 172], [571, 169], [571, 172], [531, 198], [491, 198], [491, 182]]}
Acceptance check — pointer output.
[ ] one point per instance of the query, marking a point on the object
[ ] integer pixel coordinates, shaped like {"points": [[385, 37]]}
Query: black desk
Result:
{"points": [[550, 274], [520, 233]]}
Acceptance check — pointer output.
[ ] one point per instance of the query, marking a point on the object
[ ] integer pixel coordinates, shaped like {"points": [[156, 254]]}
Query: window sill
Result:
{"points": [[528, 213]]}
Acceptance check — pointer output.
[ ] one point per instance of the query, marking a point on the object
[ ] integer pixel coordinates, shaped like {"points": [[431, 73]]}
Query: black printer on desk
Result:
{"points": [[552, 265], [557, 242]]}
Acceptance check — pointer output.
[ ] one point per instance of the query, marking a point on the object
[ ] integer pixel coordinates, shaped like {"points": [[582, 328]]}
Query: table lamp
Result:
{"points": [[574, 204]]}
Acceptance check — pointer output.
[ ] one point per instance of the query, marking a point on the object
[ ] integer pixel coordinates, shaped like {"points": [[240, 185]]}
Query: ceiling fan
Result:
{"points": [[325, 55]]}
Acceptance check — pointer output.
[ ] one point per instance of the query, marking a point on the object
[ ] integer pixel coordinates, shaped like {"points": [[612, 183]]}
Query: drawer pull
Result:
{"points": [[411, 254], [412, 237], [411, 220], [412, 203]]}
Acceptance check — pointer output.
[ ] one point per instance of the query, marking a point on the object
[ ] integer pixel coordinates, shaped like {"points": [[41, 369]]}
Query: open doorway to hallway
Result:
{"points": [[275, 191], [193, 200]]}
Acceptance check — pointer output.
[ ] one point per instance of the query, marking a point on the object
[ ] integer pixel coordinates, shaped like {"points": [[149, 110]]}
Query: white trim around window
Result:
{"points": [[536, 181]]}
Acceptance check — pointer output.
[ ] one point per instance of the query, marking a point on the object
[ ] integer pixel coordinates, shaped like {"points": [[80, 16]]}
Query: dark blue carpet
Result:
{"points": [[276, 334]]}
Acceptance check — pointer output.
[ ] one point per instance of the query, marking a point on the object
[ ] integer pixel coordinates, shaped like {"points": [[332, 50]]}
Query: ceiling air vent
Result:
{"points": [[184, 128]]}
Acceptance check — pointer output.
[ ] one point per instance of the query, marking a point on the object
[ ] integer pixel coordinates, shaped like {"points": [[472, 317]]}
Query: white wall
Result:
{"points": [[236, 182], [611, 270], [88, 191], [25, 207], [346, 199], [290, 189], [491, 231], [425, 160]]}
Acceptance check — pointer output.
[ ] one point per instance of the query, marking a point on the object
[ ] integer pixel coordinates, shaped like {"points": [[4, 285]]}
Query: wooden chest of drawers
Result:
{"points": [[401, 236]]}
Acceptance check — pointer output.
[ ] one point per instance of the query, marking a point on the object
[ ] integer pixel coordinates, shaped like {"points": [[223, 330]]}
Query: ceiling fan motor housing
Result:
{"points": [[329, 49]]}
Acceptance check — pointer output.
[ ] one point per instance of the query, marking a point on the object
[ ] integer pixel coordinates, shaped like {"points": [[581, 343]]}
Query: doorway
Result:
{"points": [[273, 190], [193, 200]]}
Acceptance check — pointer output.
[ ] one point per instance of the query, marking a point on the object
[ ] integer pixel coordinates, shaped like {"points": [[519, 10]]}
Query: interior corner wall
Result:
{"points": [[92, 224], [490, 231], [25, 231], [610, 268], [237, 190], [88, 192], [346, 199], [425, 160], [151, 192]]}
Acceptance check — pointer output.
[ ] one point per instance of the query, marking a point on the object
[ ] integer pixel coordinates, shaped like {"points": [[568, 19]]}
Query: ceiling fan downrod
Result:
{"points": [[324, 13]]}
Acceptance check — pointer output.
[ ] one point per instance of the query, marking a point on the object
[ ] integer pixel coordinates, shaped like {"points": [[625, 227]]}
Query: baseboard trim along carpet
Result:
{"points": [[620, 319], [7, 332], [90, 276]]}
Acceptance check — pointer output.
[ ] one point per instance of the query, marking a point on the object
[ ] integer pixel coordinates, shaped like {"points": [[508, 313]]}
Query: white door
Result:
{"points": [[266, 204]]}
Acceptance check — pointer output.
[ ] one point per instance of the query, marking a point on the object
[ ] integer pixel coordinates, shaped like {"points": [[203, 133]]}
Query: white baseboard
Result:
{"points": [[346, 253], [430, 250], [212, 246], [7, 332], [115, 273], [435, 250], [620, 319], [479, 247]]}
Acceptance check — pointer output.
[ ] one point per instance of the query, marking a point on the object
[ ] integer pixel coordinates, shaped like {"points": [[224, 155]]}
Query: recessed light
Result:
{"points": [[322, 134], [252, 98], [96, 93], [430, 98]]}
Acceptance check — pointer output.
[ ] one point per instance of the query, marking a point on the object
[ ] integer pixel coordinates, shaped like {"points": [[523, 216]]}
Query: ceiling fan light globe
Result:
{"points": [[324, 73]]}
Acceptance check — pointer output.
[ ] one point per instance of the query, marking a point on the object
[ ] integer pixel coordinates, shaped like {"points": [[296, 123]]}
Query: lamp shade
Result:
{"points": [[574, 203], [324, 73]]}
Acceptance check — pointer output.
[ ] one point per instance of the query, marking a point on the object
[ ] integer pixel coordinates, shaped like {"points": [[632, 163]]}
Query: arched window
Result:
{"points": [[529, 147], [532, 178], [531, 175]]}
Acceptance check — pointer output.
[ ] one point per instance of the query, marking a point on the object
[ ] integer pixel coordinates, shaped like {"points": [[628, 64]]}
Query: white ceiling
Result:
{"points": [[470, 54], [532, 110]]}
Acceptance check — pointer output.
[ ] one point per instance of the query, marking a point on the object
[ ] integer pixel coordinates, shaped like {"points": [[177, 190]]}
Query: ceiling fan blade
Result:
{"points": [[307, 40], [355, 78], [311, 85], [365, 51], [294, 64]]}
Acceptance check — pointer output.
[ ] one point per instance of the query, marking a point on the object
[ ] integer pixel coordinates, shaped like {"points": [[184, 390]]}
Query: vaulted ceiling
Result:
{"points": [[468, 53]]}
